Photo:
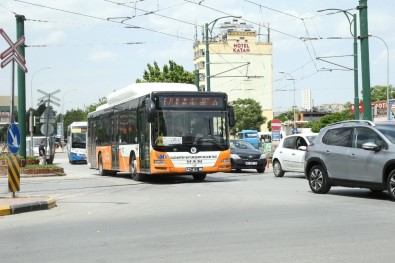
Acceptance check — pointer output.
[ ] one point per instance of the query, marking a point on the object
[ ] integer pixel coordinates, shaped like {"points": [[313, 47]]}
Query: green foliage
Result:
{"points": [[94, 106], [72, 116], [332, 118], [248, 114], [379, 93], [170, 73]]}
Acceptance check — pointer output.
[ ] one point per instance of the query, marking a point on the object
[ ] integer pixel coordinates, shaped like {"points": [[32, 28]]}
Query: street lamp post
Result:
{"points": [[62, 135], [207, 62], [31, 109], [294, 106], [355, 47], [388, 76]]}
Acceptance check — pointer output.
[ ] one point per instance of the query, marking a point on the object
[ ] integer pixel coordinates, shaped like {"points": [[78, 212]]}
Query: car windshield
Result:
{"points": [[388, 131], [240, 145]]}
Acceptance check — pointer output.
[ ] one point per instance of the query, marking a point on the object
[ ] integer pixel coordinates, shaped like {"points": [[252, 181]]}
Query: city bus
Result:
{"points": [[76, 142], [149, 129]]}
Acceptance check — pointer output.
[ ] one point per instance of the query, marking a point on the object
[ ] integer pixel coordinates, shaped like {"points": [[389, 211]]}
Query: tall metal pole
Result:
{"points": [[356, 92], [31, 109], [207, 63], [367, 99], [20, 31]]}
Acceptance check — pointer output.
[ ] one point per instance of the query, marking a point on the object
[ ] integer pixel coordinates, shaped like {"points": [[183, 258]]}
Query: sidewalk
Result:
{"points": [[22, 204]]}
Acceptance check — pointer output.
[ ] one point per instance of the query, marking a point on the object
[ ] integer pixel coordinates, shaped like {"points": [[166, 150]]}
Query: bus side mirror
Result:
{"points": [[150, 109], [232, 120]]}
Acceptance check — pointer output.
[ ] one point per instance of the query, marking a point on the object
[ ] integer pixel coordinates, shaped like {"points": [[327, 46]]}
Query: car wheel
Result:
{"points": [[318, 180], [277, 169], [199, 177], [391, 185], [261, 170]]}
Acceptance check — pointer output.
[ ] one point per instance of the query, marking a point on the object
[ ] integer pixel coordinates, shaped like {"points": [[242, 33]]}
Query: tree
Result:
{"points": [[170, 73], [332, 118], [379, 93], [94, 106], [248, 114]]}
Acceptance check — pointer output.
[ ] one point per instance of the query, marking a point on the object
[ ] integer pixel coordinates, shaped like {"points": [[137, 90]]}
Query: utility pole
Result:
{"points": [[364, 38], [20, 32]]}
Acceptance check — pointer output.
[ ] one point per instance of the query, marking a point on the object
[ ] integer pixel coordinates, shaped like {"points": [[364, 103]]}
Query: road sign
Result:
{"points": [[12, 53], [14, 170], [276, 136], [44, 131], [50, 97], [48, 113], [13, 138], [276, 125]]}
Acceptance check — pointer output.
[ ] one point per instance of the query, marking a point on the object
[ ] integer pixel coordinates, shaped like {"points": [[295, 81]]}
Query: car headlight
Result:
{"points": [[234, 156], [263, 156]]}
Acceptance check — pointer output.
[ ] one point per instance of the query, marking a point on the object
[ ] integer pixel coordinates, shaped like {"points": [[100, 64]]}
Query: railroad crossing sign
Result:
{"points": [[13, 138], [12, 53], [48, 97]]}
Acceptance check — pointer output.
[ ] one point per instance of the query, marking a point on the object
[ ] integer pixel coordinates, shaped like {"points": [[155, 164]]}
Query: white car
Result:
{"points": [[289, 154]]}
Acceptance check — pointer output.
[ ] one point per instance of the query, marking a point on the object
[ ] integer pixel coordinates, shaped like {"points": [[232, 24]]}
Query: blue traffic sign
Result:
{"points": [[13, 138]]}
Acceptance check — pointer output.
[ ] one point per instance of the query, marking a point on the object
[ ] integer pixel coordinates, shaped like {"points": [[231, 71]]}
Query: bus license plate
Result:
{"points": [[251, 163], [194, 169]]}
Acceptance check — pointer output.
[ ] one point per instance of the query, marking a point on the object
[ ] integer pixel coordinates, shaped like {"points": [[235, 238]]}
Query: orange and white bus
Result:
{"points": [[154, 128]]}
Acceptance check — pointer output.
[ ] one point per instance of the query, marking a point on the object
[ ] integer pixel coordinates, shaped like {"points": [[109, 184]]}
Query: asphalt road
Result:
{"points": [[235, 217]]}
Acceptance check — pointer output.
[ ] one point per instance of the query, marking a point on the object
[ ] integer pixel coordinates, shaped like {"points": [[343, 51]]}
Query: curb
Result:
{"points": [[27, 207]]}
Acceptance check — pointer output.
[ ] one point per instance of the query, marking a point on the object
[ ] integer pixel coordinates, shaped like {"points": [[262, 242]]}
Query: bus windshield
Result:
{"points": [[183, 129], [78, 140]]}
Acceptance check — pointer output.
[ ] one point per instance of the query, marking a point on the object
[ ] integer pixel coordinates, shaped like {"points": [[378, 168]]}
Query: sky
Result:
{"points": [[89, 48]]}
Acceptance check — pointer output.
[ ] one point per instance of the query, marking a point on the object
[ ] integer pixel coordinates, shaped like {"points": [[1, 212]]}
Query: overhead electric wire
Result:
{"points": [[103, 19]]}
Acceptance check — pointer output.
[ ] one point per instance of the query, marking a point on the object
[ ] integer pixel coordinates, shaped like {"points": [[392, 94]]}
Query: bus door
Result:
{"points": [[92, 140], [115, 143], [144, 138]]}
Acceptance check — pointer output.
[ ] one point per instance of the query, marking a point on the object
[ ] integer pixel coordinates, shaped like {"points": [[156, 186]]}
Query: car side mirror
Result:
{"points": [[150, 109]]}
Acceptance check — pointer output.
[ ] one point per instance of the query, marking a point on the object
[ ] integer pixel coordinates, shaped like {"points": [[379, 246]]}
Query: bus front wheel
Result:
{"points": [[133, 170], [102, 172], [199, 177]]}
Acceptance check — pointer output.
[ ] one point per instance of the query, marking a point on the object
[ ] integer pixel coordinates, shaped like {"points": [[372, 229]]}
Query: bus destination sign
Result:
{"points": [[195, 102]]}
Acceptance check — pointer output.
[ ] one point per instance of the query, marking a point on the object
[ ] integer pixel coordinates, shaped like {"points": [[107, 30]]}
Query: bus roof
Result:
{"points": [[137, 90], [79, 123]]}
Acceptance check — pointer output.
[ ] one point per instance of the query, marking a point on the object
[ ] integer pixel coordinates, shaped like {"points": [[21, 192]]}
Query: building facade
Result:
{"points": [[5, 109], [240, 65], [306, 99]]}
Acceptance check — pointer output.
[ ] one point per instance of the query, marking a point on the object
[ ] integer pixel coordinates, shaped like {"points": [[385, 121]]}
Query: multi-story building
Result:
{"points": [[240, 65], [5, 106], [306, 99]]}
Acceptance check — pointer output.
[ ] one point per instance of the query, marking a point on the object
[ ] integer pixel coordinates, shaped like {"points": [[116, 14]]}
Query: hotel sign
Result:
{"points": [[241, 48]]}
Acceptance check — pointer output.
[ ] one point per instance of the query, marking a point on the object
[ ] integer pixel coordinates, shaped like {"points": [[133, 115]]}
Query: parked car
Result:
{"points": [[289, 154], [245, 156], [353, 154], [49, 147]]}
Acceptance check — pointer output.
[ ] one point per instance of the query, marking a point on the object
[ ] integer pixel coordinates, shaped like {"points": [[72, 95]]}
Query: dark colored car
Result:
{"points": [[245, 156]]}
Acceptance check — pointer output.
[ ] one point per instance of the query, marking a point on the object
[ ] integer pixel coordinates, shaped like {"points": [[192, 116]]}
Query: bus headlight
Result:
{"points": [[159, 162], [227, 160]]}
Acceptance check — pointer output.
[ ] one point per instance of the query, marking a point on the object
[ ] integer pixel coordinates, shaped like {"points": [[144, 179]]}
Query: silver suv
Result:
{"points": [[353, 154]]}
